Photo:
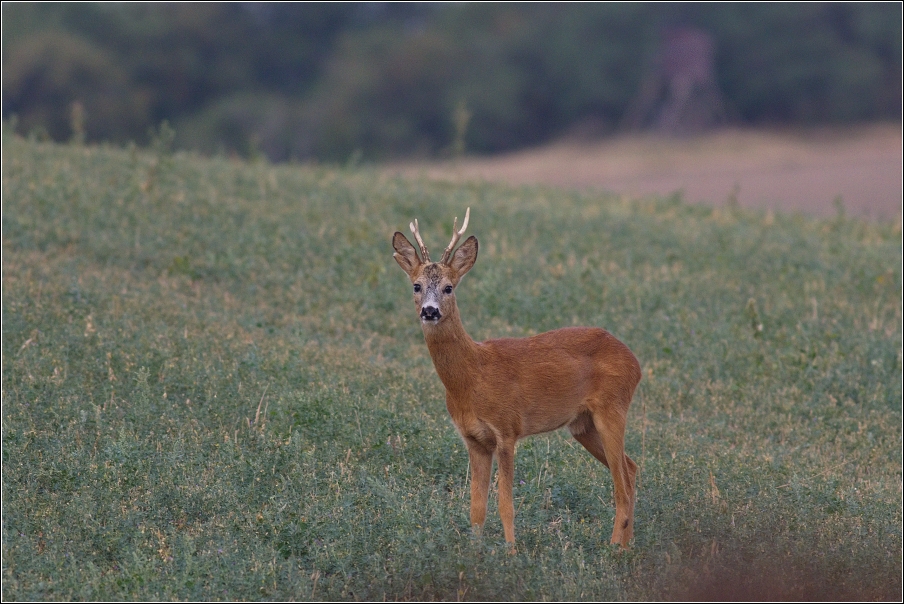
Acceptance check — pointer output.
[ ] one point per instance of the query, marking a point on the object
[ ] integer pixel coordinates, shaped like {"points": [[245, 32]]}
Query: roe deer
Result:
{"points": [[500, 391]]}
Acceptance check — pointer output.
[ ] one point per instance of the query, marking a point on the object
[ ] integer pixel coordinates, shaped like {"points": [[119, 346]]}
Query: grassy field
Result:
{"points": [[215, 387]]}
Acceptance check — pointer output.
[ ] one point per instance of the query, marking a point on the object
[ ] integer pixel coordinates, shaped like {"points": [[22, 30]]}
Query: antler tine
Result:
{"points": [[420, 242], [456, 235]]}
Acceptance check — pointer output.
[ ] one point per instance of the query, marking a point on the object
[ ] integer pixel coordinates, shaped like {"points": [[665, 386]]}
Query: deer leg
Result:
{"points": [[611, 429], [585, 433], [505, 457], [481, 471]]}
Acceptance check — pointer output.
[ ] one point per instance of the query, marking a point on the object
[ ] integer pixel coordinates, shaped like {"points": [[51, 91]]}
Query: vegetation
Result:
{"points": [[330, 80], [214, 387]]}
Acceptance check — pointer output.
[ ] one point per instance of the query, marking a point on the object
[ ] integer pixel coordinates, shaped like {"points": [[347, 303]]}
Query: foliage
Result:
{"points": [[214, 387], [62, 69], [179, 58], [333, 80], [809, 62]]}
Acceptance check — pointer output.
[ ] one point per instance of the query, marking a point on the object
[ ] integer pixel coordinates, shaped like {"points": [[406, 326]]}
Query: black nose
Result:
{"points": [[430, 313]]}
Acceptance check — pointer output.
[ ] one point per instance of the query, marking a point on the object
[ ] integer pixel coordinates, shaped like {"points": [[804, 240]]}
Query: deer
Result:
{"points": [[502, 390]]}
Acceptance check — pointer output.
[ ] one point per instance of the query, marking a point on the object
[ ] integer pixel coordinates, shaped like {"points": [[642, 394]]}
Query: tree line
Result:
{"points": [[330, 81]]}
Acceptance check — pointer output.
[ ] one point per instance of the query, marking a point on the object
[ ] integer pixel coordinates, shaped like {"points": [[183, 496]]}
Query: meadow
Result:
{"points": [[215, 387]]}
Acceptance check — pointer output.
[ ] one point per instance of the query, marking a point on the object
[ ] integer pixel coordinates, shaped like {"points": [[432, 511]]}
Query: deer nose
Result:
{"points": [[430, 313]]}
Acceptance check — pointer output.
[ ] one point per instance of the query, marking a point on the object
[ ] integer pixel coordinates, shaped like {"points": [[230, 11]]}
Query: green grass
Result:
{"points": [[215, 387]]}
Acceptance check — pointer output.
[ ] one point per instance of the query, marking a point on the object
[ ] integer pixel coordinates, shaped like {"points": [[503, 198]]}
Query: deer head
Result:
{"points": [[434, 283]]}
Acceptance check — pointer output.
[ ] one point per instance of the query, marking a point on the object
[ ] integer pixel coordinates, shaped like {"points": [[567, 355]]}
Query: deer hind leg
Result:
{"points": [[481, 471], [583, 431], [586, 433], [610, 429]]}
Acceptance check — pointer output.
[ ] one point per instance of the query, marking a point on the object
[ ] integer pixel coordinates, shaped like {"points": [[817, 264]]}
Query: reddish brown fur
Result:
{"points": [[500, 391]]}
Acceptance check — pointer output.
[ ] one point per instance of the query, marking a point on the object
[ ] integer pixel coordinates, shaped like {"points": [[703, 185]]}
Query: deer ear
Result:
{"points": [[405, 254], [464, 257]]}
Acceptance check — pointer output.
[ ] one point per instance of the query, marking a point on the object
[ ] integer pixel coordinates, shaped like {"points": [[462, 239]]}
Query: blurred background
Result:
{"points": [[384, 80], [392, 82]]}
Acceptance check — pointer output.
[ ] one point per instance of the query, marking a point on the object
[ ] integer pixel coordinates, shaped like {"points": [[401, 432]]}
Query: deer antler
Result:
{"points": [[420, 242], [456, 235]]}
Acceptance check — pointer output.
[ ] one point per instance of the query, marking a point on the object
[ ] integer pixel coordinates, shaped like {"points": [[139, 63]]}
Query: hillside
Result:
{"points": [[215, 387]]}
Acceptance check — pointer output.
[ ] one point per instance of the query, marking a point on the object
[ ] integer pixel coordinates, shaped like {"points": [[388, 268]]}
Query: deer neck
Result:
{"points": [[453, 351]]}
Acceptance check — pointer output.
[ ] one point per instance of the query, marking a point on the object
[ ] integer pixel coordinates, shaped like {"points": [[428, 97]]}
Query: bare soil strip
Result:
{"points": [[794, 171]]}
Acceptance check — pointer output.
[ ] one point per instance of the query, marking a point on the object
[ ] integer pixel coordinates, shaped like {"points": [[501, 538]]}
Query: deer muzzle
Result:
{"points": [[430, 313]]}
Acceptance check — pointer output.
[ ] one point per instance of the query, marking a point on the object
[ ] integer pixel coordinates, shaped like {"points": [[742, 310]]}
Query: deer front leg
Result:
{"points": [[505, 457], [481, 470]]}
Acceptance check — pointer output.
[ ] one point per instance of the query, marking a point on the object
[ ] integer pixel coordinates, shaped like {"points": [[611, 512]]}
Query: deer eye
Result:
{"points": [[447, 289], [417, 287]]}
